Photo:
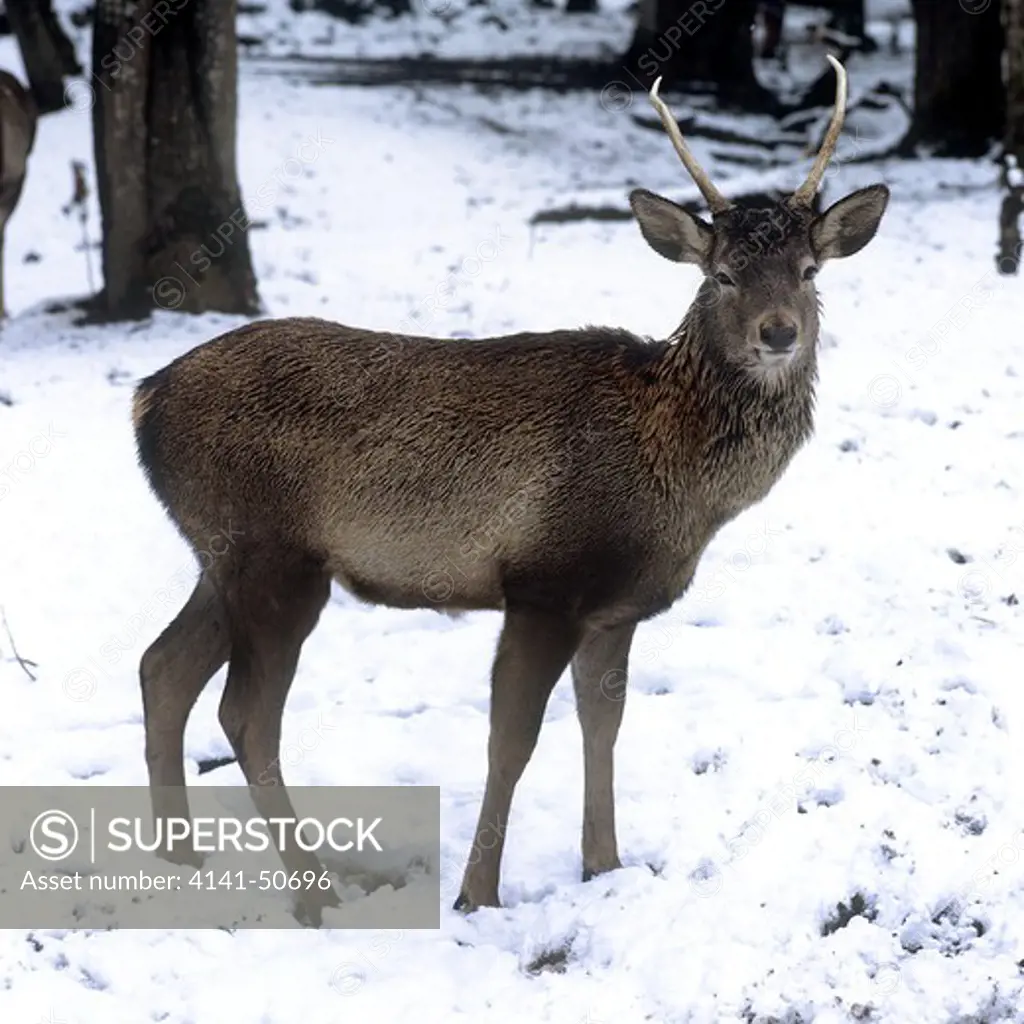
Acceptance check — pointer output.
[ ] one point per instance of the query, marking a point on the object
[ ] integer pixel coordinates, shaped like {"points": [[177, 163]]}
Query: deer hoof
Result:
{"points": [[183, 857], [309, 911], [466, 904], [600, 868]]}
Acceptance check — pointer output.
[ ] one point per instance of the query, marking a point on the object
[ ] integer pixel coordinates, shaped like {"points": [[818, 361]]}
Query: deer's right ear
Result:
{"points": [[670, 230]]}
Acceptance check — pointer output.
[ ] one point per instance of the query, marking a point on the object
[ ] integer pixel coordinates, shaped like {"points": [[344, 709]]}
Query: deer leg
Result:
{"points": [[599, 678], [533, 651], [270, 623], [172, 673]]}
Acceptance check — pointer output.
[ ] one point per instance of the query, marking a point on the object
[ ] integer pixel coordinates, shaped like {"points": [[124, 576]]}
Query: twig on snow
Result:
{"points": [[23, 662]]}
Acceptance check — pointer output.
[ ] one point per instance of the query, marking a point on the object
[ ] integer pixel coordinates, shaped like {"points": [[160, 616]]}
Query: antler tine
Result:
{"points": [[804, 195], [717, 203]]}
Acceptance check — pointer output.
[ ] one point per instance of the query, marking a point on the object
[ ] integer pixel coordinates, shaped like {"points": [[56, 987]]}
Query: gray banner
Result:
{"points": [[85, 857]]}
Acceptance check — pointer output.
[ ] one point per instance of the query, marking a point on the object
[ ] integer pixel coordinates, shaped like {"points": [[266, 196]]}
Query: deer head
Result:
{"points": [[758, 304]]}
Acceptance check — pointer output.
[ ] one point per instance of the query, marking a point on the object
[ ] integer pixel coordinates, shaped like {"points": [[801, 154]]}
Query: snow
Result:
{"points": [[832, 716], [443, 28]]}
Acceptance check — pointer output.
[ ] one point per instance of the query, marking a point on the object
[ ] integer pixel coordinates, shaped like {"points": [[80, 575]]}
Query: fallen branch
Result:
{"points": [[23, 662], [575, 212], [692, 128]]}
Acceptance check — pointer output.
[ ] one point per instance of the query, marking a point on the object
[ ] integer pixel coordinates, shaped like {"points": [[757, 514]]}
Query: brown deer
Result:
{"points": [[571, 480], [18, 117]]}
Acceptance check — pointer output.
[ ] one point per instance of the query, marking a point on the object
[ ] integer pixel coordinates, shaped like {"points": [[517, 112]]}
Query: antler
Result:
{"points": [[717, 203], [804, 195]]}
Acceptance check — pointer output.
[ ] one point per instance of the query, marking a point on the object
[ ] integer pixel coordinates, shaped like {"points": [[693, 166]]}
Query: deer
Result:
{"points": [[570, 480], [18, 118]]}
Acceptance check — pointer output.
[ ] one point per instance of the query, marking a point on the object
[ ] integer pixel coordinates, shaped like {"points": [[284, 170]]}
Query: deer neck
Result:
{"points": [[733, 434]]}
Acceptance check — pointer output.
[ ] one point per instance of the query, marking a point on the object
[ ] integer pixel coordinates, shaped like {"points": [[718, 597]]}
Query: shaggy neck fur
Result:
{"points": [[735, 429]]}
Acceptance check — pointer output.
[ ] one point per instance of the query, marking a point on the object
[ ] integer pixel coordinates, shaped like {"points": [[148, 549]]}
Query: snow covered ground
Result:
{"points": [[833, 716]]}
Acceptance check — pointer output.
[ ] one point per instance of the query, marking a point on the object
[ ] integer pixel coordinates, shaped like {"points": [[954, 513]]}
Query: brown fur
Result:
{"points": [[571, 480], [18, 117]]}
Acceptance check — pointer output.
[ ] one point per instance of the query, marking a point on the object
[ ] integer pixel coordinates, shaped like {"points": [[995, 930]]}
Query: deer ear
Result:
{"points": [[670, 230], [847, 226]]}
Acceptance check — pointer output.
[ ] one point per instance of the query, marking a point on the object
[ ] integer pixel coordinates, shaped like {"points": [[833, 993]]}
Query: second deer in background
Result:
{"points": [[18, 117]]}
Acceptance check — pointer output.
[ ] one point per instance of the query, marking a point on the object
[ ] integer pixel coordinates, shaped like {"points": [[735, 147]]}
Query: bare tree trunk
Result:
{"points": [[46, 51], [959, 99], [1009, 254], [581, 7], [848, 17], [175, 232], [772, 21], [705, 44]]}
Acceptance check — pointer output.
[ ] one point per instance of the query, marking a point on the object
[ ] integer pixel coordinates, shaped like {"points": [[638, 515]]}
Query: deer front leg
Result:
{"points": [[599, 678], [533, 651]]}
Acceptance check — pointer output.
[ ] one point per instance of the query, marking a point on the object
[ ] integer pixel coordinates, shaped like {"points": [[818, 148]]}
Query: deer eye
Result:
{"points": [[725, 280], [810, 272]]}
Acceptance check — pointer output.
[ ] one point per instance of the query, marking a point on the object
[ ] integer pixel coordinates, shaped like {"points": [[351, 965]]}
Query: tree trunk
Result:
{"points": [[581, 7], [959, 100], [704, 44], [46, 51], [772, 21], [848, 17], [396, 8], [1009, 253], [174, 228]]}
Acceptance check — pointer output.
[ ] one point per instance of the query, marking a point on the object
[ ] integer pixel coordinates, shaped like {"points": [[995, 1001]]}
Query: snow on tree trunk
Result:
{"points": [[174, 228], [1008, 259]]}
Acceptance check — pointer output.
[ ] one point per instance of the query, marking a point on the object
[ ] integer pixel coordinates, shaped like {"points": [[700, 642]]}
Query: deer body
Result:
{"points": [[18, 117], [571, 480], [449, 472]]}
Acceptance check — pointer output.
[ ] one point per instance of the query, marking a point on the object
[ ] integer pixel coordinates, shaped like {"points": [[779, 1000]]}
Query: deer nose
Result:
{"points": [[778, 337]]}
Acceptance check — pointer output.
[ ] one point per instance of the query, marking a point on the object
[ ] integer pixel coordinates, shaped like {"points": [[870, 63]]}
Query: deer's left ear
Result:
{"points": [[847, 226]]}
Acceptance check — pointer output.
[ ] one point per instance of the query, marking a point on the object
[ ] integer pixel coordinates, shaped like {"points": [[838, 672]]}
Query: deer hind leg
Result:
{"points": [[534, 649], [9, 197], [172, 673], [599, 678], [273, 610]]}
